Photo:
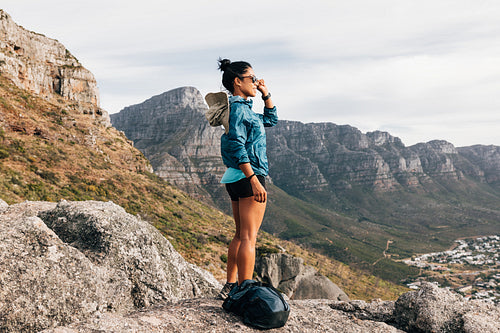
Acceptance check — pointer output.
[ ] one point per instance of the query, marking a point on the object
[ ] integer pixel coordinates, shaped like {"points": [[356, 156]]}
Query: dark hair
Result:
{"points": [[231, 70]]}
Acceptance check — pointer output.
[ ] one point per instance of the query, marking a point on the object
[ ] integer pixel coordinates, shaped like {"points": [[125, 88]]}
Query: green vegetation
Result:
{"points": [[359, 224]]}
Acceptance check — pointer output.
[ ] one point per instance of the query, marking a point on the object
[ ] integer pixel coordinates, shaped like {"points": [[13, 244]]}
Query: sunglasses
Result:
{"points": [[253, 77]]}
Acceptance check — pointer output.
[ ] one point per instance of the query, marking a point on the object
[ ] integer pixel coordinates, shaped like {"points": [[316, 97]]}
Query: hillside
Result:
{"points": [[59, 145], [362, 198]]}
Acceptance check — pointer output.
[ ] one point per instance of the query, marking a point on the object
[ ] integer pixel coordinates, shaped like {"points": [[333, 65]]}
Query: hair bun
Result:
{"points": [[224, 64]]}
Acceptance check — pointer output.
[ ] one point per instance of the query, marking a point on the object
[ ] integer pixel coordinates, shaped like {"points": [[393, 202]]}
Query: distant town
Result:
{"points": [[472, 268]]}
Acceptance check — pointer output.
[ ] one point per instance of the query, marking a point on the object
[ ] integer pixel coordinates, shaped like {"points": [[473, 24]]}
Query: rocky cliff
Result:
{"points": [[45, 67], [332, 187], [172, 132], [89, 266]]}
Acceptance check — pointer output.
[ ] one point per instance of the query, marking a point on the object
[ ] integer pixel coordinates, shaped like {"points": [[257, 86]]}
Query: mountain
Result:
{"points": [[362, 198], [57, 145]]}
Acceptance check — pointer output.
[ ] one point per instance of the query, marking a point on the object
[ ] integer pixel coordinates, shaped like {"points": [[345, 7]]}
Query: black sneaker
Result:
{"points": [[227, 289]]}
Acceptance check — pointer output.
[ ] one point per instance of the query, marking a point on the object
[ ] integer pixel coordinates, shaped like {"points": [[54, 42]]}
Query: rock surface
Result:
{"points": [[298, 281], [3, 205], [45, 67], [64, 262], [90, 266], [207, 315], [432, 309]]}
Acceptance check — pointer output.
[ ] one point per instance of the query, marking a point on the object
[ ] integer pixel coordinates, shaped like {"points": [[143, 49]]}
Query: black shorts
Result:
{"points": [[242, 188]]}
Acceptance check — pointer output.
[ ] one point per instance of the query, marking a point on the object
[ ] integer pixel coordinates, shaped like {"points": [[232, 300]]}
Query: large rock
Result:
{"points": [[74, 260], [433, 309], [296, 280], [110, 237], [45, 282]]}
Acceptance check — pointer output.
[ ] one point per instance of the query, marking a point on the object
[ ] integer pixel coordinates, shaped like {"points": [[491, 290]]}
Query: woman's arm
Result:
{"points": [[270, 117]]}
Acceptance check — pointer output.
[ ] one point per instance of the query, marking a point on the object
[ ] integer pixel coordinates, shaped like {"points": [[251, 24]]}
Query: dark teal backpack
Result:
{"points": [[259, 304]]}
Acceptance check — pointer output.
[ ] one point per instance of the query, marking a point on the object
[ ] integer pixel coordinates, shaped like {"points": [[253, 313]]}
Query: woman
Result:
{"points": [[243, 151]]}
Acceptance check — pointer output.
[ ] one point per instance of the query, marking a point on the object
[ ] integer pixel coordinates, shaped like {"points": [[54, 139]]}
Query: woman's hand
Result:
{"points": [[261, 86], [259, 192]]}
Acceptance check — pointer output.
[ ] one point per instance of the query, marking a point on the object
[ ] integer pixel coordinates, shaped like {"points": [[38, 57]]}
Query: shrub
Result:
{"points": [[3, 153]]}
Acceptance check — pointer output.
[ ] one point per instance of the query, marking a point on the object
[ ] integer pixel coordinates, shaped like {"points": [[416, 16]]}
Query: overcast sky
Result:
{"points": [[421, 70]]}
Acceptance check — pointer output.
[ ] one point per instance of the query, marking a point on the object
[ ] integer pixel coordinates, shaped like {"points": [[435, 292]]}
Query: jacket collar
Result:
{"points": [[239, 99]]}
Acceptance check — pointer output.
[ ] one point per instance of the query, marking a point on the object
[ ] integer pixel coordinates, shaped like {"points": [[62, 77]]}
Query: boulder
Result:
{"points": [[45, 282], [298, 281], [61, 263], [111, 237], [434, 309]]}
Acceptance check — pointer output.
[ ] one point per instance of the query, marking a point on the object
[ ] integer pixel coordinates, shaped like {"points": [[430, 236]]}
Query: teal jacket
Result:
{"points": [[246, 140]]}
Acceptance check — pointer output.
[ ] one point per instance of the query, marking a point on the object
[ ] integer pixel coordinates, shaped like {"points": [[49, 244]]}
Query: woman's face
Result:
{"points": [[245, 85]]}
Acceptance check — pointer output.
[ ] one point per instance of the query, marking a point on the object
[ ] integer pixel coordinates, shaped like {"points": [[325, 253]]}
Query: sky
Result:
{"points": [[420, 70]]}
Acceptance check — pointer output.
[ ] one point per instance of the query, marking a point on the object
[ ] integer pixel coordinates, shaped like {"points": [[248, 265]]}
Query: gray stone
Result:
{"points": [[110, 237], [296, 280], [434, 309], [66, 262], [45, 282], [376, 310], [481, 317]]}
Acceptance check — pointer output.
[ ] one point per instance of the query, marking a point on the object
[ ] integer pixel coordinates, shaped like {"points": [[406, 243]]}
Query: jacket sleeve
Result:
{"points": [[270, 117], [237, 135]]}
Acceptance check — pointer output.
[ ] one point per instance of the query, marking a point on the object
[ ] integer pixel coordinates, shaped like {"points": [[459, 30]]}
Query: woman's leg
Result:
{"points": [[232, 252], [251, 214]]}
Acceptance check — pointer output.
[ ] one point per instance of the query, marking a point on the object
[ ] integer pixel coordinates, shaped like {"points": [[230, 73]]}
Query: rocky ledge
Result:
{"points": [[430, 309], [43, 66], [89, 266]]}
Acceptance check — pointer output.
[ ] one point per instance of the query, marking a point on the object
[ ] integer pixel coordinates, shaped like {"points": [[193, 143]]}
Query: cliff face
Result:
{"points": [[45, 67], [172, 132], [340, 157]]}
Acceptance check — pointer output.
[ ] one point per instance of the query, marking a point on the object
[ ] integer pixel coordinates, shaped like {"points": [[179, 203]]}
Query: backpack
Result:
{"points": [[259, 304]]}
